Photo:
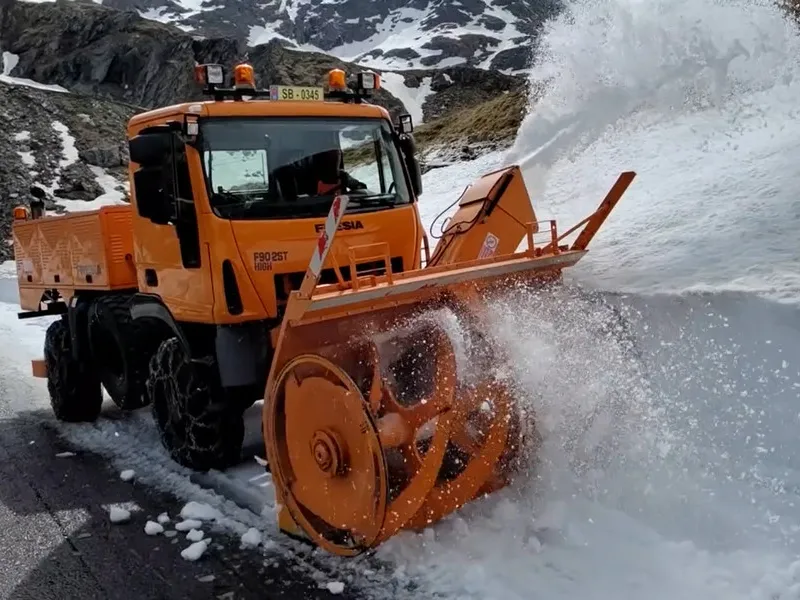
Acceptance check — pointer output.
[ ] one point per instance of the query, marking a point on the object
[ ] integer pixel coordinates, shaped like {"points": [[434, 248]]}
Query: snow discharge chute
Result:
{"points": [[369, 426]]}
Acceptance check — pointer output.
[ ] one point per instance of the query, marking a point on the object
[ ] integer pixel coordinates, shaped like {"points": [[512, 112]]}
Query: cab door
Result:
{"points": [[171, 260]]}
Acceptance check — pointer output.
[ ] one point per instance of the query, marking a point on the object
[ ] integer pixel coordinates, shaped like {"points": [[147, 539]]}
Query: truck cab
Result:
{"points": [[230, 194]]}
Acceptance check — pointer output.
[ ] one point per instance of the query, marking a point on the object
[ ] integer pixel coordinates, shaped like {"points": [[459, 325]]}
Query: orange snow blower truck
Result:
{"points": [[273, 249]]}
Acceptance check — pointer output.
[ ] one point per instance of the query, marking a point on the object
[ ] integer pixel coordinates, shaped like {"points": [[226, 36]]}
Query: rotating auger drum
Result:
{"points": [[379, 433], [379, 413]]}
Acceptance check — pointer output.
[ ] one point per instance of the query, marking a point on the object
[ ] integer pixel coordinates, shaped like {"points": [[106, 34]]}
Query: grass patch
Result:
{"points": [[493, 122]]}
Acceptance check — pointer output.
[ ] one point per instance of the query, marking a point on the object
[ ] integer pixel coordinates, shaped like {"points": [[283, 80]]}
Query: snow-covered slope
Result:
{"points": [[700, 98], [386, 34]]}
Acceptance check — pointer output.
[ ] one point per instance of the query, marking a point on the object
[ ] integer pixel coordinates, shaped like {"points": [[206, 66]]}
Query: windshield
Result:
{"points": [[278, 168]]}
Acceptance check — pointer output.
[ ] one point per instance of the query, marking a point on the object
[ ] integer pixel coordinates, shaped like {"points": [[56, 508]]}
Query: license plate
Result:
{"points": [[296, 92]]}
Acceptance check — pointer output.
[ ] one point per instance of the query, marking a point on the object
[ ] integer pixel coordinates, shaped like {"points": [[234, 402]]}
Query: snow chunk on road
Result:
{"points": [[188, 524], [163, 518], [200, 511], [195, 551], [117, 514], [127, 474], [195, 535], [65, 454], [335, 587], [153, 528], [251, 538]]}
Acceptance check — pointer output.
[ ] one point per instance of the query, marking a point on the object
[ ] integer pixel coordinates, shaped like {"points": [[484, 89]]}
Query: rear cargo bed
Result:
{"points": [[82, 251]]}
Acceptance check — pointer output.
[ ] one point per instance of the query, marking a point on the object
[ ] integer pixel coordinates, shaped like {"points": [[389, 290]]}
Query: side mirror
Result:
{"points": [[405, 125], [409, 150], [151, 148], [154, 199]]}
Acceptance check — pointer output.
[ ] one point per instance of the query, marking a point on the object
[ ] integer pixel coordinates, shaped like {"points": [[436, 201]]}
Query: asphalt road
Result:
{"points": [[56, 539]]}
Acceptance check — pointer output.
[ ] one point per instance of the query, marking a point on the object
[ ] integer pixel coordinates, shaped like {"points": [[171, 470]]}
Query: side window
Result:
{"points": [[176, 192], [183, 182], [170, 179], [162, 188]]}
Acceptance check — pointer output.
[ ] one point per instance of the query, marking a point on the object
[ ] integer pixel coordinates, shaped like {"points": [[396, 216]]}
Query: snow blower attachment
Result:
{"points": [[387, 406]]}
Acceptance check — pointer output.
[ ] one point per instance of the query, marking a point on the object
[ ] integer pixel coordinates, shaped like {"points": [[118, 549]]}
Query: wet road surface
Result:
{"points": [[56, 539]]}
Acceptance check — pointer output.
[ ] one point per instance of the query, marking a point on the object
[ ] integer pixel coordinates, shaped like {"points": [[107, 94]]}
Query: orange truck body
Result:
{"points": [[81, 251], [113, 248]]}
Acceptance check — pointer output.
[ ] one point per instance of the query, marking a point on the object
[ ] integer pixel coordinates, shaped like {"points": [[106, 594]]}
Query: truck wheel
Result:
{"points": [[120, 351], [75, 392], [198, 428]]}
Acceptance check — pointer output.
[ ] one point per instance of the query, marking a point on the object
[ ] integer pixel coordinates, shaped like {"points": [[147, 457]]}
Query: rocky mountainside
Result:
{"points": [[99, 51], [70, 144], [385, 34], [74, 71], [114, 54]]}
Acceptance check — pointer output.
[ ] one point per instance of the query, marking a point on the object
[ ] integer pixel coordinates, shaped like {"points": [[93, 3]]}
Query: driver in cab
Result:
{"points": [[331, 178]]}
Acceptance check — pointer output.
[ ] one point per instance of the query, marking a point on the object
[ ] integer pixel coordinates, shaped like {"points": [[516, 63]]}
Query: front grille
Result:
{"points": [[285, 283]]}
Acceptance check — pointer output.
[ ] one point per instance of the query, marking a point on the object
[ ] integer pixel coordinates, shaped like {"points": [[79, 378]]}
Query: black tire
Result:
{"points": [[198, 428], [121, 349], [75, 393]]}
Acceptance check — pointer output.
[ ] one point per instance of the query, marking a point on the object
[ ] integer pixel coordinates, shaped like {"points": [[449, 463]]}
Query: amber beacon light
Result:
{"points": [[337, 80], [243, 76], [20, 213]]}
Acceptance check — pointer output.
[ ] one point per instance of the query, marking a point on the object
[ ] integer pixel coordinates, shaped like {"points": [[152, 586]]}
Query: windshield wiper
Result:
{"points": [[233, 205]]}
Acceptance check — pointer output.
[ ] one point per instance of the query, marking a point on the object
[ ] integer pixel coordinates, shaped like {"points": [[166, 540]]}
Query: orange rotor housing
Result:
{"points": [[385, 408], [380, 432]]}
